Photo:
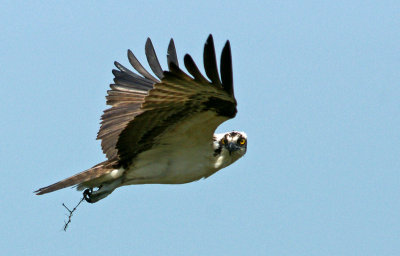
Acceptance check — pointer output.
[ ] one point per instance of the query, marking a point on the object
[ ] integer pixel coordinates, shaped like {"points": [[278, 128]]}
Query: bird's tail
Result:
{"points": [[90, 174]]}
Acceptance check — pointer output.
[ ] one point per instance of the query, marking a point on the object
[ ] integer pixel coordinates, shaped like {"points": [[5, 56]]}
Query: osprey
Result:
{"points": [[161, 130]]}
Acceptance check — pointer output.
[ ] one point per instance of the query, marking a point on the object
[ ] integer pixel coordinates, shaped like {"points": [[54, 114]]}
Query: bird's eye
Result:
{"points": [[242, 141]]}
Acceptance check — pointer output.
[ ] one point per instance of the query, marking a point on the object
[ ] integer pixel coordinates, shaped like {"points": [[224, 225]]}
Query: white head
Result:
{"points": [[229, 147]]}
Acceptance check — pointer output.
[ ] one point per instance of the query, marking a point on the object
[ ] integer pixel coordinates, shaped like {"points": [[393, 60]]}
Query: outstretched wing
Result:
{"points": [[126, 98], [143, 113]]}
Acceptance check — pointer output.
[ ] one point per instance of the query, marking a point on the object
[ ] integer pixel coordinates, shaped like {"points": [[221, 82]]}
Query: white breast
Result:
{"points": [[184, 154]]}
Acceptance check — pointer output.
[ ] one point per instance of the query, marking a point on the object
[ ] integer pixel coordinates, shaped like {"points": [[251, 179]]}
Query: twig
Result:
{"points": [[70, 213]]}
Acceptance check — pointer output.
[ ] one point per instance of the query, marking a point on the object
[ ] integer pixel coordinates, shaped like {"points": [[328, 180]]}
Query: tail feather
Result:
{"points": [[90, 174]]}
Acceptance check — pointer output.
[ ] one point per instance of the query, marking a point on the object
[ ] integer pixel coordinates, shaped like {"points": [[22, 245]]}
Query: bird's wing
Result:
{"points": [[172, 101], [126, 97]]}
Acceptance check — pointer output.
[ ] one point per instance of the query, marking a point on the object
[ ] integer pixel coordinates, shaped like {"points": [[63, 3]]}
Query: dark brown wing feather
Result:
{"points": [[226, 69], [126, 97], [193, 69], [171, 54], [152, 59], [176, 98], [139, 68], [210, 61]]}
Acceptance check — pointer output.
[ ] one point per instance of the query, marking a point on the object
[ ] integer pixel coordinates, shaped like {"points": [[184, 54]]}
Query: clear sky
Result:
{"points": [[318, 90]]}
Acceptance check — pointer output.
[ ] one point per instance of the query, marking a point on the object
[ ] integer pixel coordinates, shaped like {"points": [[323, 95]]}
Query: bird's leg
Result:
{"points": [[103, 191]]}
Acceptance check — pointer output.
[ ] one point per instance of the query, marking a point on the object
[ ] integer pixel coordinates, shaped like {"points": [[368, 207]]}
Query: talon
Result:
{"points": [[87, 194], [101, 192]]}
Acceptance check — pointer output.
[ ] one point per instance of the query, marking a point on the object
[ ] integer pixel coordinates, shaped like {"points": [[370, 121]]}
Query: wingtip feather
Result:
{"points": [[152, 59], [171, 54], [210, 61], [226, 68]]}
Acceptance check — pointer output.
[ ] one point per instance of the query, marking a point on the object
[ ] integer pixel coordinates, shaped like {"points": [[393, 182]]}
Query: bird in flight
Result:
{"points": [[160, 130]]}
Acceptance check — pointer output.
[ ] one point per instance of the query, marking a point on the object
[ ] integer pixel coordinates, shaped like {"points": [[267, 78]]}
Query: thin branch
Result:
{"points": [[66, 223]]}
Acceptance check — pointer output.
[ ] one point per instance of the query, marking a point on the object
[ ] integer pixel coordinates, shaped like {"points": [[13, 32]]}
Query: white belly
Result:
{"points": [[165, 166], [184, 154]]}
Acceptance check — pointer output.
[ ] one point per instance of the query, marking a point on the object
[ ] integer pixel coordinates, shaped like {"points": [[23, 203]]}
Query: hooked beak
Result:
{"points": [[232, 147]]}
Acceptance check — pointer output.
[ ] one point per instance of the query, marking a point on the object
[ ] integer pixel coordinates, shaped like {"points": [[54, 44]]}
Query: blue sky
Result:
{"points": [[318, 87]]}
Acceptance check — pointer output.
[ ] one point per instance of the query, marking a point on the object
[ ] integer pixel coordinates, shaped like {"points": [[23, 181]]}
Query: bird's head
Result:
{"points": [[232, 143]]}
